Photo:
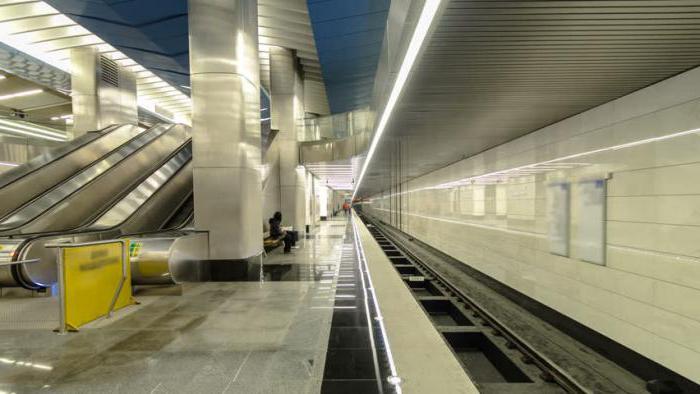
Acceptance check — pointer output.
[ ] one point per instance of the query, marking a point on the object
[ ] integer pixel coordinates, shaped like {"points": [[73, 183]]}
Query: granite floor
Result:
{"points": [[264, 336]]}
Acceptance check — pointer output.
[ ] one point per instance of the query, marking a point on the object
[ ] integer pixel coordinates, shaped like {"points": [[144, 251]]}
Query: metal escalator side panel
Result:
{"points": [[43, 274], [169, 260], [90, 200], [182, 215], [177, 169], [8, 248], [58, 193], [128, 205], [22, 190]]}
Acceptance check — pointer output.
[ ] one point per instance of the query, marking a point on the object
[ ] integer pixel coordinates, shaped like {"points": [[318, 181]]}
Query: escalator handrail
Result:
{"points": [[178, 208], [84, 229], [9, 177], [61, 181], [131, 187], [91, 181]]}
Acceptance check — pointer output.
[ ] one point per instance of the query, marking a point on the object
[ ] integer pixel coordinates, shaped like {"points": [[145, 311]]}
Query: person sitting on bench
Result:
{"points": [[276, 231]]}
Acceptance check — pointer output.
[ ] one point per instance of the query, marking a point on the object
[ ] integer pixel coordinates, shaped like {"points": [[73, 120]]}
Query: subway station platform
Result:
{"points": [[310, 321], [266, 336], [511, 178]]}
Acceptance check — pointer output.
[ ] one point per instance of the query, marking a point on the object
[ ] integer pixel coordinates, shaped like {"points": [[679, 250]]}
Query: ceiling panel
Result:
{"points": [[349, 37], [495, 70], [155, 33]]}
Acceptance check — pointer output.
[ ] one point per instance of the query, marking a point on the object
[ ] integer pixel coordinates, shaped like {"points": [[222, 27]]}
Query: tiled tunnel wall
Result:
{"points": [[647, 295]]}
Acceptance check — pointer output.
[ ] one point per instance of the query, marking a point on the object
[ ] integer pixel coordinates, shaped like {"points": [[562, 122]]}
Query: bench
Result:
{"points": [[270, 243]]}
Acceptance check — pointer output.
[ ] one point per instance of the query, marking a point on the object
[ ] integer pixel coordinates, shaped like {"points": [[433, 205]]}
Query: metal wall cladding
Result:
{"points": [[287, 92], [117, 104], [336, 126], [315, 100], [84, 65], [226, 114], [227, 204], [224, 38], [342, 149], [103, 92]]}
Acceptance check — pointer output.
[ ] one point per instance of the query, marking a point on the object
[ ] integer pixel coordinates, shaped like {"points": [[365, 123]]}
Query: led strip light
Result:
{"points": [[427, 15], [394, 379]]}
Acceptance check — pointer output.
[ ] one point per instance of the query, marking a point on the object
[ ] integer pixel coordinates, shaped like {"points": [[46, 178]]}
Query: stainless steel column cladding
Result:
{"points": [[84, 62], [225, 85], [103, 93], [287, 105]]}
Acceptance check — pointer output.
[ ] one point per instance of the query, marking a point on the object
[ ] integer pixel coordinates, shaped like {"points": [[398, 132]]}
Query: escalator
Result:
{"points": [[84, 195], [148, 206], [26, 182], [182, 217]]}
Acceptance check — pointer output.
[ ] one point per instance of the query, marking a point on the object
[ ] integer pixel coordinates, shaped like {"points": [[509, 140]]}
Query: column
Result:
{"points": [[98, 101], [287, 105], [84, 80], [225, 86]]}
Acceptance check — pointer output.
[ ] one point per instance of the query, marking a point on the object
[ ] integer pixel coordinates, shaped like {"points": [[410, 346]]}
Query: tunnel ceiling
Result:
{"points": [[493, 71], [349, 35], [154, 33]]}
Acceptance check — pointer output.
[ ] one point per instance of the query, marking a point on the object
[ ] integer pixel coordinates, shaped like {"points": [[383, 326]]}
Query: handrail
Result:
{"points": [[61, 287], [11, 263]]}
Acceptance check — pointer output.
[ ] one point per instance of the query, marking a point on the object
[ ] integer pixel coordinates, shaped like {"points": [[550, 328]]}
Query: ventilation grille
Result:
{"points": [[110, 71]]}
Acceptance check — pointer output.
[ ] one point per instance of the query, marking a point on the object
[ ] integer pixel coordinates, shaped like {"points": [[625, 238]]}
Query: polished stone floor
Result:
{"points": [[264, 336]]}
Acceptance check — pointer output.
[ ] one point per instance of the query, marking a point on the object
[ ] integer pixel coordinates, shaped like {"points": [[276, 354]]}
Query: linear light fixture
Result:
{"points": [[561, 162], [21, 94], [30, 130], [4, 163], [425, 20]]}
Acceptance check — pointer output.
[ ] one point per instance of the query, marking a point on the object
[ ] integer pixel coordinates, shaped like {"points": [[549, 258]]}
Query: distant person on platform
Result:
{"points": [[277, 232], [346, 208]]}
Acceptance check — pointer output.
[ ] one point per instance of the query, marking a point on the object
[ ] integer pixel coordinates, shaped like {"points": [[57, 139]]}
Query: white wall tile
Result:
{"points": [[647, 296]]}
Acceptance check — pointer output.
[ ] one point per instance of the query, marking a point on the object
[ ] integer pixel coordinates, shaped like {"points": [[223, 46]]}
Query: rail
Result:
{"points": [[551, 371], [11, 263]]}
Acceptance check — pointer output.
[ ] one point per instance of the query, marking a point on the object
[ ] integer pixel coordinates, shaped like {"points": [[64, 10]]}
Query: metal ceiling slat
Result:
{"points": [[25, 10], [495, 70], [69, 42], [35, 23]]}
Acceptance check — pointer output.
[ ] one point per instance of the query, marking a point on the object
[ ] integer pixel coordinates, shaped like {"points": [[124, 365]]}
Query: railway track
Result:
{"points": [[495, 357]]}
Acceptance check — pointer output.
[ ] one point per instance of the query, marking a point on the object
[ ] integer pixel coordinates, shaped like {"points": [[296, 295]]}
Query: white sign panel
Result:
{"points": [[590, 224], [558, 217]]}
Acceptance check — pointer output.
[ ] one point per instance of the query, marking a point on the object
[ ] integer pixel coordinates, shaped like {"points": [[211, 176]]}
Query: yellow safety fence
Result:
{"points": [[94, 280]]}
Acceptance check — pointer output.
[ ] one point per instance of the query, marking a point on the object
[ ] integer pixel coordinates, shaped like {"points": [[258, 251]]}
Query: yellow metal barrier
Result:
{"points": [[94, 279]]}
